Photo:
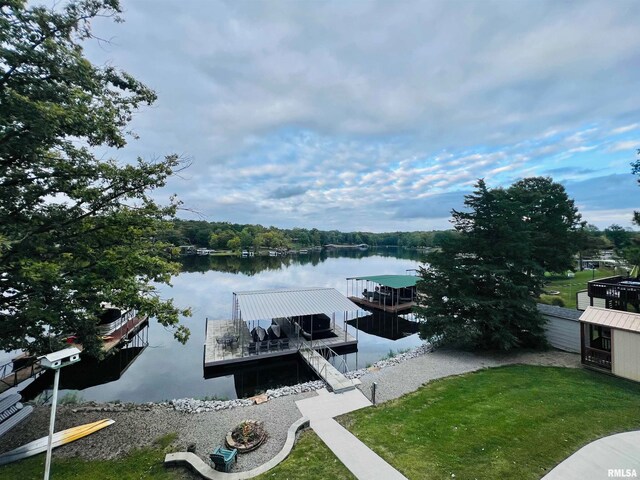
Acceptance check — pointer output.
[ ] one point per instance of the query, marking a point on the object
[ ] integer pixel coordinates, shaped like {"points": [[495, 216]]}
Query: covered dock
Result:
{"points": [[272, 323], [387, 293]]}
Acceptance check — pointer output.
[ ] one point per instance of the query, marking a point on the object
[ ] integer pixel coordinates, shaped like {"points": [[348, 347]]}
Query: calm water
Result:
{"points": [[166, 369]]}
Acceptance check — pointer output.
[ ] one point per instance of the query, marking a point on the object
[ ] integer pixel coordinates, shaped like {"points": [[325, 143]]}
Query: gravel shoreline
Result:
{"points": [[205, 423]]}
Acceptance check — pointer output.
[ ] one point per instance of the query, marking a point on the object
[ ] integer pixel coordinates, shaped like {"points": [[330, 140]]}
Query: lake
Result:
{"points": [[166, 369]]}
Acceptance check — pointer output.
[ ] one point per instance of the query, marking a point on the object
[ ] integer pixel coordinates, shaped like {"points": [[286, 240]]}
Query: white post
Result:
{"points": [[52, 423]]}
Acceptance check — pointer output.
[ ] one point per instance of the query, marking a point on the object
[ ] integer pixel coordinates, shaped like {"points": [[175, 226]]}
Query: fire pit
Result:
{"points": [[247, 436]]}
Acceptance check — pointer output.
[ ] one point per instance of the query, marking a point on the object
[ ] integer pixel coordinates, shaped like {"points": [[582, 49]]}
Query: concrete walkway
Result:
{"points": [[355, 455], [617, 456]]}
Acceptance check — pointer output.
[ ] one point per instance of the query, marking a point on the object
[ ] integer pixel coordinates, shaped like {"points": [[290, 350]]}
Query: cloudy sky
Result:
{"points": [[381, 115]]}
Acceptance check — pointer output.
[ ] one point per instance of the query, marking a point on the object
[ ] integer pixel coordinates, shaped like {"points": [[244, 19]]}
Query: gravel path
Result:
{"points": [[142, 425]]}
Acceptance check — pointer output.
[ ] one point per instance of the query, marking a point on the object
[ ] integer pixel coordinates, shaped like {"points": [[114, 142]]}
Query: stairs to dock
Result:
{"points": [[330, 374]]}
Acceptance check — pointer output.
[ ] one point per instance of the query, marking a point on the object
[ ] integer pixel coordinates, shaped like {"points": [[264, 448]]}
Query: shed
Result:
{"points": [[610, 341], [562, 327]]}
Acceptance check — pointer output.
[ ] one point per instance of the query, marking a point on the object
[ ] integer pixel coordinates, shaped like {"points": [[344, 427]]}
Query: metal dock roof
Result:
{"points": [[391, 281], [266, 304]]}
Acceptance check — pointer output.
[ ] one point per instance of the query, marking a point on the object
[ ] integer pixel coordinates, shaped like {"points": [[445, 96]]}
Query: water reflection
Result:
{"points": [[167, 369], [256, 377], [386, 325]]}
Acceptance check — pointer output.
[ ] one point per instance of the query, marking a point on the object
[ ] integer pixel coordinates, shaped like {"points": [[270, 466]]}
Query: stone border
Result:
{"points": [[197, 465]]}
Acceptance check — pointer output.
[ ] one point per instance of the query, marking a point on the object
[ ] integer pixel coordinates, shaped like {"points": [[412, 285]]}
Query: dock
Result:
{"points": [[11, 377], [218, 355], [369, 305]]}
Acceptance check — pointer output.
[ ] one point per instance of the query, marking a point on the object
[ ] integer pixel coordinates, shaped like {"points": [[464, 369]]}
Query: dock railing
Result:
{"points": [[330, 352], [11, 377], [314, 361]]}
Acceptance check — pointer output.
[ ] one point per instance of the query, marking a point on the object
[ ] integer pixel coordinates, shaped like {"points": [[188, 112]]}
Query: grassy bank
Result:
{"points": [[511, 422], [142, 463], [569, 286]]}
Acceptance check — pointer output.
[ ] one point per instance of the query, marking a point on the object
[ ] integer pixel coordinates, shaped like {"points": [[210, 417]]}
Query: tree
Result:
{"points": [[234, 244], [478, 290], [618, 235], [75, 231], [590, 241], [551, 218]]}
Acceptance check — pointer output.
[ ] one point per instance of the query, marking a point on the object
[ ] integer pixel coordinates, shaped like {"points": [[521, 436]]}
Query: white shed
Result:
{"points": [[610, 341]]}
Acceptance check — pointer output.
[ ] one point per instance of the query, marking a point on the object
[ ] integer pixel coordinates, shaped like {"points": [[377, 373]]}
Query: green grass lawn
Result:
{"points": [[310, 459], [142, 463], [514, 422], [569, 286]]}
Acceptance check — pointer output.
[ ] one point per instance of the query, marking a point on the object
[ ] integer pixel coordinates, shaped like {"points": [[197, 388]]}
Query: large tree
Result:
{"points": [[75, 230], [551, 218], [478, 290]]}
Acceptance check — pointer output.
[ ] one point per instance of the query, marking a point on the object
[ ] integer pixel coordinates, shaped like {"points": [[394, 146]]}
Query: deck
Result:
{"points": [[369, 305], [218, 355]]}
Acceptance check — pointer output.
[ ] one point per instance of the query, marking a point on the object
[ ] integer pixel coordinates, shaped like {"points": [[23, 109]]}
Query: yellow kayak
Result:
{"points": [[59, 438]]}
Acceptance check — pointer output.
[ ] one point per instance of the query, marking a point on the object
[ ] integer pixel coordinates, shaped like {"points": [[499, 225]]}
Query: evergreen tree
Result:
{"points": [[478, 290]]}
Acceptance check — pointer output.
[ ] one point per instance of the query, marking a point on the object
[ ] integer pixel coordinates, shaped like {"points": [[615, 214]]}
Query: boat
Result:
{"points": [[59, 438], [313, 325]]}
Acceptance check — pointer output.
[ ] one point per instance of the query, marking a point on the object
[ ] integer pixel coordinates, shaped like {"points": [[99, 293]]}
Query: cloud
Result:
{"points": [[610, 192], [288, 191], [631, 145], [561, 171], [625, 128], [436, 206], [297, 113]]}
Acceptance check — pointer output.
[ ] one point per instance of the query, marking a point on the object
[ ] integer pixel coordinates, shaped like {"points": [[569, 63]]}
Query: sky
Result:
{"points": [[381, 115]]}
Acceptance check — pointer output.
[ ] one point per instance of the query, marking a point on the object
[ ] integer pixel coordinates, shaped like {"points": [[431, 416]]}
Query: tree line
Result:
{"points": [[233, 236]]}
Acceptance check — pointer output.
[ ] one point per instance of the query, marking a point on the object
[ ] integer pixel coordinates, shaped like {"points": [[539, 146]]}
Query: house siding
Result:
{"points": [[562, 328]]}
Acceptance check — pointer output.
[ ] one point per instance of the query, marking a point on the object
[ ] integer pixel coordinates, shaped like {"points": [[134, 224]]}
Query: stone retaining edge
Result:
{"points": [[197, 465]]}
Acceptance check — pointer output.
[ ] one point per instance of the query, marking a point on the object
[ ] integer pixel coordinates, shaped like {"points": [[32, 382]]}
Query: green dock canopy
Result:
{"points": [[391, 281]]}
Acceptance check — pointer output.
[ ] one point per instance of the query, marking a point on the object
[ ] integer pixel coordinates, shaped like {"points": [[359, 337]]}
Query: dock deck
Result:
{"points": [[217, 355], [369, 305]]}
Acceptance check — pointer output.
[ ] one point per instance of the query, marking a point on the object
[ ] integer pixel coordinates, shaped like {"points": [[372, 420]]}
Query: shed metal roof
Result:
{"points": [[391, 281], [612, 318], [266, 304], [560, 312]]}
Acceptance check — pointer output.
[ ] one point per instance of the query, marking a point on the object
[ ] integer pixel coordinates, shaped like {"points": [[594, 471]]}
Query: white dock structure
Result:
{"points": [[231, 341]]}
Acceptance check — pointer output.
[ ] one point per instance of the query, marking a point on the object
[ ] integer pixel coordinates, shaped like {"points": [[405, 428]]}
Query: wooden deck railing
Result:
{"points": [[597, 358]]}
